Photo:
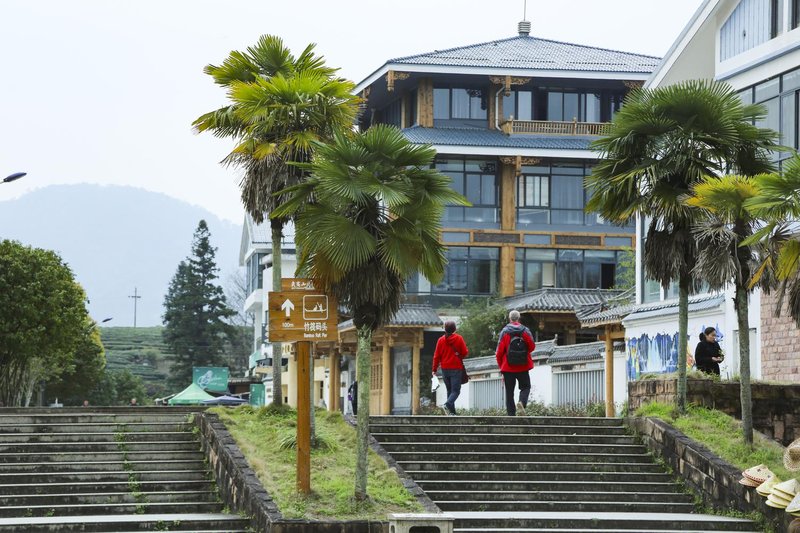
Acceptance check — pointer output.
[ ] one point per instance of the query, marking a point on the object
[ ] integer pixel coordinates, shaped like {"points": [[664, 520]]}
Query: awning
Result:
{"points": [[191, 395]]}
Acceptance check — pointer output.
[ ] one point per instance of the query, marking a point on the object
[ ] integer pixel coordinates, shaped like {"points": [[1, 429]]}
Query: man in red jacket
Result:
{"points": [[514, 359], [450, 352]]}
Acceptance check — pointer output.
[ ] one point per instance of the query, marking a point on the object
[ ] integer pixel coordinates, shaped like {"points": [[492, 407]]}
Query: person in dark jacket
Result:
{"points": [[708, 354], [515, 373], [449, 354]]}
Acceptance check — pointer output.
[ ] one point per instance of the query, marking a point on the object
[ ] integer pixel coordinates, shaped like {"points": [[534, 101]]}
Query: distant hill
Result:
{"points": [[140, 350], [117, 238]]}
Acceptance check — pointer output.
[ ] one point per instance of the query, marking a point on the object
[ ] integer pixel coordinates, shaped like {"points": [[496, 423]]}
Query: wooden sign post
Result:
{"points": [[300, 313]]}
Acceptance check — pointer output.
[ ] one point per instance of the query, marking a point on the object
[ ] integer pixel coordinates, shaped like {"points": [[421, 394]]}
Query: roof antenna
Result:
{"points": [[524, 27]]}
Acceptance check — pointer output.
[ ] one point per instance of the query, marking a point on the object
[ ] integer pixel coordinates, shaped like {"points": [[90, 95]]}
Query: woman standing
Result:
{"points": [[450, 352], [708, 354]]}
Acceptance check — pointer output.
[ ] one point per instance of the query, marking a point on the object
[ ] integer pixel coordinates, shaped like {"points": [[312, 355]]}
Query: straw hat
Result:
{"points": [[791, 458], [794, 506], [759, 473], [748, 483], [766, 488], [786, 490], [777, 503]]}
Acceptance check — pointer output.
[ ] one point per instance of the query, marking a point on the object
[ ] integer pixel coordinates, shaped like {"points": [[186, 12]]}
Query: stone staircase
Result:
{"points": [[537, 474], [104, 470]]}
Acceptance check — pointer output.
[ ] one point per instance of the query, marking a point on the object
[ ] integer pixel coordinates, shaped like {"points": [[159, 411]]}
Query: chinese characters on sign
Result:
{"points": [[301, 314]]}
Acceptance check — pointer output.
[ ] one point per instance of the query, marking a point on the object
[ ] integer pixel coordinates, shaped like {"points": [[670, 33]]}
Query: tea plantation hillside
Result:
{"points": [[140, 350]]}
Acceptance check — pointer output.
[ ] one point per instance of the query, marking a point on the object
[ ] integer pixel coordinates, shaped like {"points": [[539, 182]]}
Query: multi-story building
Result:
{"points": [[754, 45]]}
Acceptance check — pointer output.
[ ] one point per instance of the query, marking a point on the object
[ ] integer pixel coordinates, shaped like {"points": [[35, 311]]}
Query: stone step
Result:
{"points": [[458, 448], [565, 506], [110, 509], [83, 487], [570, 530], [498, 420], [488, 476], [99, 498], [154, 415], [9, 460], [97, 427], [542, 438], [114, 465], [519, 496], [600, 521], [520, 457], [120, 476], [426, 464], [26, 448], [580, 486], [433, 426], [119, 523], [178, 436]]}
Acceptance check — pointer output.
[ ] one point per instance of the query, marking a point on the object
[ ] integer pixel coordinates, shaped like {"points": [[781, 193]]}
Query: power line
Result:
{"points": [[135, 297]]}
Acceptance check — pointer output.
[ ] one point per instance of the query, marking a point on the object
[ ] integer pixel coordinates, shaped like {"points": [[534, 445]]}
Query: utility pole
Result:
{"points": [[135, 297]]}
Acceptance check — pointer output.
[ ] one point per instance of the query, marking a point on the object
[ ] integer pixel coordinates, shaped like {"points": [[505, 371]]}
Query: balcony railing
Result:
{"points": [[548, 127]]}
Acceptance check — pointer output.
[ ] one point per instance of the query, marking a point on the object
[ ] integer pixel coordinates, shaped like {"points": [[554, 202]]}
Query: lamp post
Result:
{"points": [[14, 177]]}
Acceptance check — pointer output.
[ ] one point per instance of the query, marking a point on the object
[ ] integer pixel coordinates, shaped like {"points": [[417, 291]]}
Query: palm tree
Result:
{"points": [[279, 106], [367, 220], [662, 142]]}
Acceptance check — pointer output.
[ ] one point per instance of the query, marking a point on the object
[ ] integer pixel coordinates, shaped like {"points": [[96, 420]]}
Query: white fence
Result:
{"points": [[487, 394], [578, 387]]}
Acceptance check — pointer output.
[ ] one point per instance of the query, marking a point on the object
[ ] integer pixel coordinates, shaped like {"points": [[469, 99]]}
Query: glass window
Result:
{"points": [[470, 270], [477, 181], [776, 18], [773, 118], [571, 111], [460, 103], [768, 89], [788, 116], [746, 96], [651, 291], [510, 106], [791, 80], [614, 105], [569, 275], [555, 106], [441, 104], [591, 108], [795, 15], [567, 200], [525, 105]]}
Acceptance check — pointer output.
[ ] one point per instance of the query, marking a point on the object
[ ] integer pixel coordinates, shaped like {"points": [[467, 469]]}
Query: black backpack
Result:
{"points": [[517, 350]]}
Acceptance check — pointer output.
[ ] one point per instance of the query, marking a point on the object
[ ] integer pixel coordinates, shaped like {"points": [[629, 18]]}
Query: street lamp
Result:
{"points": [[14, 177]]}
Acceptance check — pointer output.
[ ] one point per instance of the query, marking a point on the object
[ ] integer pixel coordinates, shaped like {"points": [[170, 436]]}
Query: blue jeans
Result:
{"points": [[452, 381]]}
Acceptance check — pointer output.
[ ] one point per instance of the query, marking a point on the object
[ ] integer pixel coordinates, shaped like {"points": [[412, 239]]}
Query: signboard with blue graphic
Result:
{"points": [[257, 395], [211, 378]]}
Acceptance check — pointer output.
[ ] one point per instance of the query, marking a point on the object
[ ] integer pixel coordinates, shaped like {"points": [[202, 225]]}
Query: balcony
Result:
{"points": [[547, 127]]}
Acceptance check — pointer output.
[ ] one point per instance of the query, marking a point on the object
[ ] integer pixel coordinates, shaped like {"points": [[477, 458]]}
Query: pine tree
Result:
{"points": [[195, 310]]}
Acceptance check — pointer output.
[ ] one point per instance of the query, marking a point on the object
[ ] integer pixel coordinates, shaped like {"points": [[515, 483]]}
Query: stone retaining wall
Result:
{"points": [[776, 407], [707, 475]]}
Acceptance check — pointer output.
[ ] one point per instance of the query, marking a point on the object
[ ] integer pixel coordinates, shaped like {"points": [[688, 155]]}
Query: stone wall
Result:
{"points": [[705, 474], [780, 342], [776, 408]]}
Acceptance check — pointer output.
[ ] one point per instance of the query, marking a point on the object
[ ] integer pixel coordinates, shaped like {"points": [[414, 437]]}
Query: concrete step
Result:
{"points": [[9, 460], [205, 522], [100, 498], [110, 509], [433, 426], [26, 448], [457, 448], [497, 420], [519, 496], [647, 467], [488, 476], [88, 487], [541, 438], [565, 506], [520, 457], [97, 427], [112, 465], [83, 418], [600, 521], [110, 476], [178, 436], [552, 485], [570, 530]]}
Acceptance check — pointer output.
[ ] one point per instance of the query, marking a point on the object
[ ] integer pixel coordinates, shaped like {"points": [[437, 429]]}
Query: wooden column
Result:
{"points": [[508, 193], [404, 103], [508, 270], [303, 349], [610, 411], [415, 373], [386, 381], [333, 386], [425, 103], [490, 97]]}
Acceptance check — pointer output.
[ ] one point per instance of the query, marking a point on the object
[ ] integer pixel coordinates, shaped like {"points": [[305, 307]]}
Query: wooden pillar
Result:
{"points": [[386, 381], [425, 103], [490, 98], [337, 397], [303, 350], [508, 193], [508, 270], [405, 101], [415, 373], [333, 385], [610, 411]]}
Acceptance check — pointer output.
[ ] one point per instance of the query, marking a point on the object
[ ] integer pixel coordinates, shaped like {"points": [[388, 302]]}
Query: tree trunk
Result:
{"points": [[363, 366], [683, 326], [745, 394], [277, 347]]}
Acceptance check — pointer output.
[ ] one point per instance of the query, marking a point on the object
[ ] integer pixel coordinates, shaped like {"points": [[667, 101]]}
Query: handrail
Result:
{"points": [[559, 128]]}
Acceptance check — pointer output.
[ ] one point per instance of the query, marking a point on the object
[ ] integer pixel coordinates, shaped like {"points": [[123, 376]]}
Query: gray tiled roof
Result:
{"points": [[611, 312], [408, 315], [494, 138], [575, 353], [697, 303], [525, 52], [558, 299]]}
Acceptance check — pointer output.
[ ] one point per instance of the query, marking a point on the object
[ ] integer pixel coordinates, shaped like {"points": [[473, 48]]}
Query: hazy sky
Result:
{"points": [[104, 91]]}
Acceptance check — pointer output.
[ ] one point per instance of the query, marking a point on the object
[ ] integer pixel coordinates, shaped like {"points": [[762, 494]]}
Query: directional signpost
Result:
{"points": [[300, 313]]}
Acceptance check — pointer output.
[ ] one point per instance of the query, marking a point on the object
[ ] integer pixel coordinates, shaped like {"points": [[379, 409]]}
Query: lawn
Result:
{"points": [[722, 434], [266, 437]]}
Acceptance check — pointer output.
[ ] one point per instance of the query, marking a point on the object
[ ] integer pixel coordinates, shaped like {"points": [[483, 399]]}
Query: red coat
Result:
{"points": [[505, 340], [450, 350]]}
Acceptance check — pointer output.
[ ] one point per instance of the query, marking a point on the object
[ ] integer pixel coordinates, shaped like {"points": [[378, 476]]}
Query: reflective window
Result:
{"points": [[471, 271], [476, 179], [539, 268], [459, 103]]}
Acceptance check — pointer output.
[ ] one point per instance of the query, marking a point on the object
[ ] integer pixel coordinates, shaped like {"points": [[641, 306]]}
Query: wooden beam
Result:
{"points": [[508, 193], [415, 374], [610, 411], [508, 270], [425, 103], [304, 417], [333, 385], [386, 372]]}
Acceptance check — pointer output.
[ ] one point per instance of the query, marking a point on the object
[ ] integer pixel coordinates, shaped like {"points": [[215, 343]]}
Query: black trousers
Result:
{"points": [[511, 379]]}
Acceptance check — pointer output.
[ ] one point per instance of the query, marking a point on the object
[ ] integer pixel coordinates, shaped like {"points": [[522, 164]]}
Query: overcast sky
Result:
{"points": [[105, 91]]}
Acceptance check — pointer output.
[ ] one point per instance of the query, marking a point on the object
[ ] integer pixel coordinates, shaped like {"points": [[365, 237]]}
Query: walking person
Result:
{"points": [[708, 354], [514, 359], [449, 354], [352, 395]]}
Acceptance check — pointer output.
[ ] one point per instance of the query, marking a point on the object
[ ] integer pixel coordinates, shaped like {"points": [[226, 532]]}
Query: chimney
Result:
{"points": [[524, 28]]}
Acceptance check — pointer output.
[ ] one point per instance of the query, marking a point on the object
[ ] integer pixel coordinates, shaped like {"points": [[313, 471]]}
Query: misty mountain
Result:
{"points": [[116, 239]]}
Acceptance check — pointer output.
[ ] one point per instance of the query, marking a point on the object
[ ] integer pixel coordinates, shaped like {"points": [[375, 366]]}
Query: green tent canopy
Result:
{"points": [[191, 395]]}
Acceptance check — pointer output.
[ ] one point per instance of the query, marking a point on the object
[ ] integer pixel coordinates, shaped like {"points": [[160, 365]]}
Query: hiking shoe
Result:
{"points": [[520, 409]]}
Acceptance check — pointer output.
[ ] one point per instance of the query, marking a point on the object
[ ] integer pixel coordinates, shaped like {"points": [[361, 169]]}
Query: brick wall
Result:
{"points": [[780, 343]]}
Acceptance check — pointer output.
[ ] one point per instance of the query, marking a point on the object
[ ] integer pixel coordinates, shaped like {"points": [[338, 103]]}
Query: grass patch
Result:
{"points": [[266, 437], [722, 434]]}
